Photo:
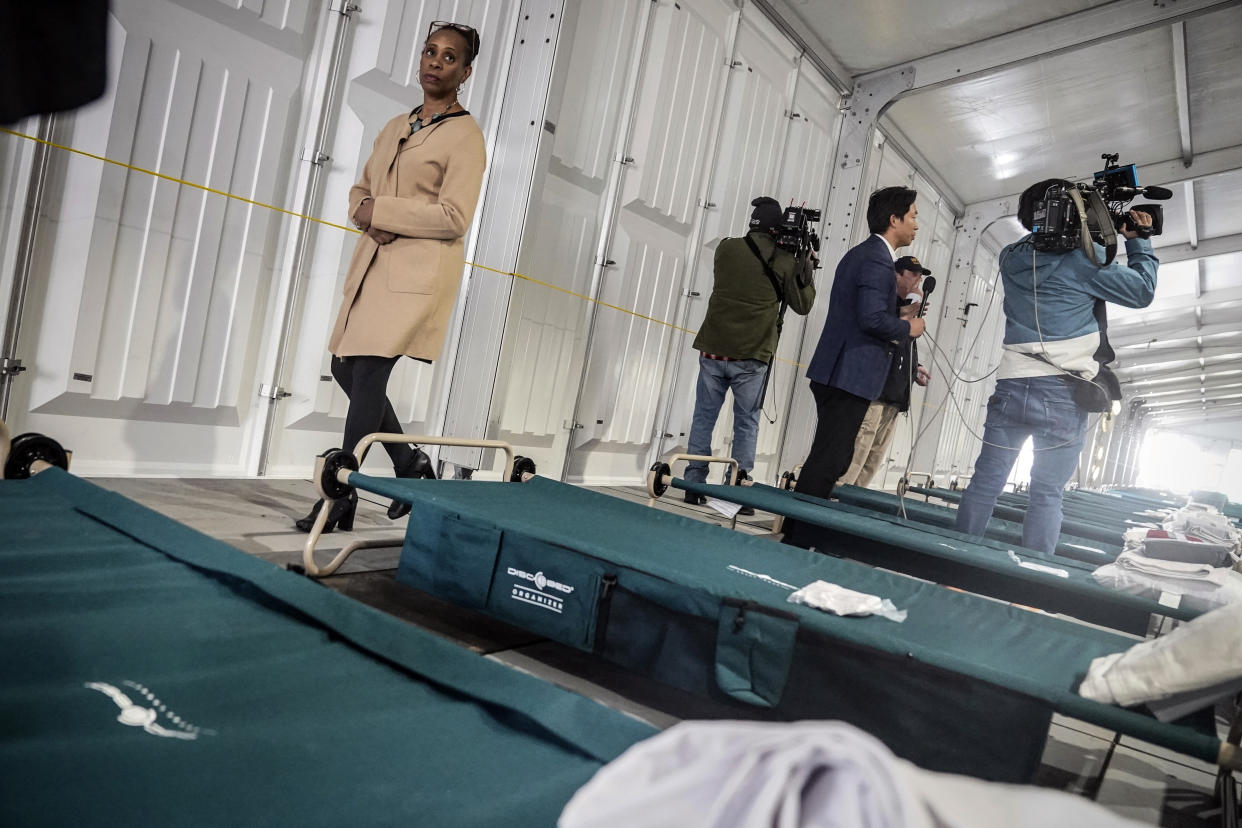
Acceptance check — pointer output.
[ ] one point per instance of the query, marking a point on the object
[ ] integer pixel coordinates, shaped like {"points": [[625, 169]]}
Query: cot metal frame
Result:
{"points": [[329, 471], [661, 476]]}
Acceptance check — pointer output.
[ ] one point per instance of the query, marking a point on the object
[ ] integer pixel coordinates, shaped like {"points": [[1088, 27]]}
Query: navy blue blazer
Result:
{"points": [[862, 328]]}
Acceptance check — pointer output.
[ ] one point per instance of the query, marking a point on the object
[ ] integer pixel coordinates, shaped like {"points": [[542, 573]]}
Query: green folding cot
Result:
{"points": [[965, 684], [1078, 526], [945, 556], [1088, 551], [153, 676]]}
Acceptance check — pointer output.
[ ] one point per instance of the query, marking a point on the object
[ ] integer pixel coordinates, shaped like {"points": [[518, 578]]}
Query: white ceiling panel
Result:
{"points": [[882, 33], [1221, 273], [992, 136], [1220, 203], [1214, 75], [1177, 279], [1177, 222]]}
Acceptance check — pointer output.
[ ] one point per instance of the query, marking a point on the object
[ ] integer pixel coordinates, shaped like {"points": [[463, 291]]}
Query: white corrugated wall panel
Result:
{"points": [[806, 175], [546, 329], [753, 133], [683, 67], [140, 324]]}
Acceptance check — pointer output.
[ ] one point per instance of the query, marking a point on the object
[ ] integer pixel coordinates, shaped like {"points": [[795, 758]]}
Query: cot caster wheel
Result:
{"points": [[953, 485], [29, 447], [521, 466], [903, 486], [788, 481], [333, 461], [656, 483]]}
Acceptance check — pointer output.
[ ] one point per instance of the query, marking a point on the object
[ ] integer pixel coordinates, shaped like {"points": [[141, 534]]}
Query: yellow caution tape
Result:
{"points": [[326, 223]]}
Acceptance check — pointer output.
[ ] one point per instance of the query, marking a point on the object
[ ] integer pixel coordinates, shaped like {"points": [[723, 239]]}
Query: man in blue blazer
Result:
{"points": [[861, 334]]}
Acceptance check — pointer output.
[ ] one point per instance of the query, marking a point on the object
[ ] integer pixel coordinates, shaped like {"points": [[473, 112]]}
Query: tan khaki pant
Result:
{"points": [[874, 438]]}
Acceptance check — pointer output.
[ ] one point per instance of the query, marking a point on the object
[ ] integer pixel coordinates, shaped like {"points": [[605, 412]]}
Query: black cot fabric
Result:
{"points": [[964, 684], [153, 676]]}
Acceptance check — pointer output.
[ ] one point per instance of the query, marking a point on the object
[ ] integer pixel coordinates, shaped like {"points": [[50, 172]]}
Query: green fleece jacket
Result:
{"points": [[741, 313]]}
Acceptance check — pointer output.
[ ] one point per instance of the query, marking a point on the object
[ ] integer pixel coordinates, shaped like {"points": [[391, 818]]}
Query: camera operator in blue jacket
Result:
{"points": [[1051, 349]]}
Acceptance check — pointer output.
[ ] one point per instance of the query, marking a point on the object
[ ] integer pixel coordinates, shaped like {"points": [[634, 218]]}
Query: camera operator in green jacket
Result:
{"points": [[754, 280]]}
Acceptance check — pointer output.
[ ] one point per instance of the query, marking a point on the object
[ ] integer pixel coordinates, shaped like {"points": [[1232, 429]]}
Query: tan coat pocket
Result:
{"points": [[411, 265]]}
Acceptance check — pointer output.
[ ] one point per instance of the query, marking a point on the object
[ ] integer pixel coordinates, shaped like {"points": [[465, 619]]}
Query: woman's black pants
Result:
{"points": [[365, 381]]}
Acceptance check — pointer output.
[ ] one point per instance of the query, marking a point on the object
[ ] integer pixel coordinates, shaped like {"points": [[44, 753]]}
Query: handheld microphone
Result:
{"points": [[929, 284]]}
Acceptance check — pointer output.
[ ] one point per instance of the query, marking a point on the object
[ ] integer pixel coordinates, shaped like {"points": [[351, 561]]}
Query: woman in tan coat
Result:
{"points": [[413, 203]]}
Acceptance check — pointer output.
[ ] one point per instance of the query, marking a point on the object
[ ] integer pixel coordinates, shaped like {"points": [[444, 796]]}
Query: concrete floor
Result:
{"points": [[1142, 781]]}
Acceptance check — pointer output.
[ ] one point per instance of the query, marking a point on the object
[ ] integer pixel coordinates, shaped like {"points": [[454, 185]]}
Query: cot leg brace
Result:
{"points": [[661, 475], [908, 480], [789, 480], [332, 479]]}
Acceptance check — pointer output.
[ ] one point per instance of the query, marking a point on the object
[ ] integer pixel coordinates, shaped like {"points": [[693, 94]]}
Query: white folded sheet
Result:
{"points": [[725, 774], [1202, 587], [1203, 653]]}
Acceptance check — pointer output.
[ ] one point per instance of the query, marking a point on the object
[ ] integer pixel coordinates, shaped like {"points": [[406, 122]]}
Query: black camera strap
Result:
{"points": [[780, 315], [767, 271]]}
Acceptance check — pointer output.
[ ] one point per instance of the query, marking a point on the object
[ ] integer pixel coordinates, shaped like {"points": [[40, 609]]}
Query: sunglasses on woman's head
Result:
{"points": [[471, 36]]}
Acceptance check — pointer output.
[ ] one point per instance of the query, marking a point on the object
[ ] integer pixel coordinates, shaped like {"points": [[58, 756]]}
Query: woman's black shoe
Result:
{"points": [[342, 515], [419, 467]]}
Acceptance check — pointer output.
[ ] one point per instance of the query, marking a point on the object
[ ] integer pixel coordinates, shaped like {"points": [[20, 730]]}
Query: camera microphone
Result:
{"points": [[1127, 193]]}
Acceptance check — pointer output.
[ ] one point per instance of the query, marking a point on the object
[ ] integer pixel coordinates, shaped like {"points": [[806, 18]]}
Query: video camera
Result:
{"points": [[795, 233], [1087, 214]]}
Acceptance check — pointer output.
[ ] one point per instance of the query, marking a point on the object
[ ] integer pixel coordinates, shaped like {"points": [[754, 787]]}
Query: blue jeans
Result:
{"points": [[1042, 408], [745, 378]]}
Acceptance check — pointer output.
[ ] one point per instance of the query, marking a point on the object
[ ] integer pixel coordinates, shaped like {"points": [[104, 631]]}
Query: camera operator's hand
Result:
{"points": [[1138, 224], [917, 326], [922, 376]]}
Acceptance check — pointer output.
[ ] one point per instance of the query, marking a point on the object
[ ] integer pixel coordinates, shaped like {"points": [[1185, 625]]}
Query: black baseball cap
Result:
{"points": [[767, 213], [910, 263]]}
